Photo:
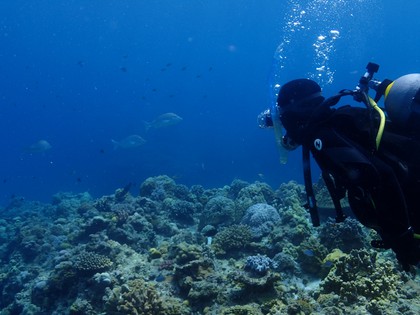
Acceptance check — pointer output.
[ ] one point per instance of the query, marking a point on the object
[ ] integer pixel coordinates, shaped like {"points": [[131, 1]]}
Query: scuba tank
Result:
{"points": [[402, 102]]}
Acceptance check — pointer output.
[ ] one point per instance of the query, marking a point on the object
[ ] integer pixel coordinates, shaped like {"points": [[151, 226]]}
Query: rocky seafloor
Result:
{"points": [[242, 249]]}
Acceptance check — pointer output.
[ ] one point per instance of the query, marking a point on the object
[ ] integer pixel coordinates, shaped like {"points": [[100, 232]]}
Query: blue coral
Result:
{"points": [[259, 264], [261, 218]]}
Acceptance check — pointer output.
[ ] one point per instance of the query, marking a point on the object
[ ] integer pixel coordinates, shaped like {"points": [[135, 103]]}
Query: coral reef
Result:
{"points": [[179, 250]]}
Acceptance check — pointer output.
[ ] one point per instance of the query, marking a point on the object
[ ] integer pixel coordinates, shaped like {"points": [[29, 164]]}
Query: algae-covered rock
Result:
{"points": [[198, 281], [184, 252], [253, 309], [248, 285], [141, 297], [81, 307]]}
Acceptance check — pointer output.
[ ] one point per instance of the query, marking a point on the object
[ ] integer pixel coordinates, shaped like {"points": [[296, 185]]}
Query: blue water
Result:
{"points": [[80, 73]]}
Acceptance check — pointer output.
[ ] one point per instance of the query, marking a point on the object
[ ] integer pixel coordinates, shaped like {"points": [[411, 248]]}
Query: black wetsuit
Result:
{"points": [[383, 186]]}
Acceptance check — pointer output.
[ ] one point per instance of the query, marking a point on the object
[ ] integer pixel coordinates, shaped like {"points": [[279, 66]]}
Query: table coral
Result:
{"points": [[88, 262]]}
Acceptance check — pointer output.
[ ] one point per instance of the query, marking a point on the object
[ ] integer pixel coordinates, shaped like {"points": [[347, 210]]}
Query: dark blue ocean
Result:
{"points": [[80, 73]]}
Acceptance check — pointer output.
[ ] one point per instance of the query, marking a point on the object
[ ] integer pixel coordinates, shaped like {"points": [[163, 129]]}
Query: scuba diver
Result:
{"points": [[371, 157]]}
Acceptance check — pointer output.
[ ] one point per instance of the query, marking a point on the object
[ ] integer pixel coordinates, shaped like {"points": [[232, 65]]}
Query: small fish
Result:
{"points": [[39, 146], [160, 278], [164, 120], [309, 252], [129, 142], [328, 264]]}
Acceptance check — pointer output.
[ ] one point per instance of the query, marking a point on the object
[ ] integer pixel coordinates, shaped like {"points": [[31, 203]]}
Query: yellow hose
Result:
{"points": [[375, 106]]}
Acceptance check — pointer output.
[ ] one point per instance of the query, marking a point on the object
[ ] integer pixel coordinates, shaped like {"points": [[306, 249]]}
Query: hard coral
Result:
{"points": [[261, 218], [234, 237], [88, 262], [242, 310], [180, 210], [252, 194], [259, 264], [138, 297], [346, 235], [158, 188], [218, 211], [292, 194], [360, 274]]}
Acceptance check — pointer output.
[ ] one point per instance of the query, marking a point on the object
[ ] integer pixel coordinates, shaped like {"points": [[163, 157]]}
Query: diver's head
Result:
{"points": [[298, 93], [297, 101]]}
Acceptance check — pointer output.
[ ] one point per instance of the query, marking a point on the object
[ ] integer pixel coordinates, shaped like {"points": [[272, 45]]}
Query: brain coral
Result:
{"points": [[261, 218]]}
